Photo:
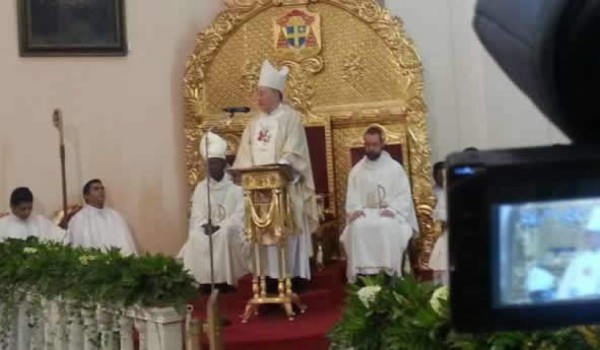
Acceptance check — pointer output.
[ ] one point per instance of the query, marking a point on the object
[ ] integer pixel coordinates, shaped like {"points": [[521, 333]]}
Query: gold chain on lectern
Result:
{"points": [[267, 219]]}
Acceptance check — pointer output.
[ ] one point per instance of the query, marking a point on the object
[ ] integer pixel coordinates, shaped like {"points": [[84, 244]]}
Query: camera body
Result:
{"points": [[517, 220], [524, 224]]}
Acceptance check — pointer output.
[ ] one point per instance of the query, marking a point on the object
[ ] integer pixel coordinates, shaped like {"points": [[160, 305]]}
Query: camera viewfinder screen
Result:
{"points": [[547, 252]]}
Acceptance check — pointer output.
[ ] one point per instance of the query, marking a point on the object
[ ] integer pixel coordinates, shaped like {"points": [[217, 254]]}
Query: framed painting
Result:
{"points": [[72, 28]]}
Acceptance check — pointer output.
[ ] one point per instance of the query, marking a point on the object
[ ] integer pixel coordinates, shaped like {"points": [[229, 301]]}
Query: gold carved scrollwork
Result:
{"points": [[368, 71], [421, 185], [250, 76], [300, 89], [353, 68], [261, 181]]}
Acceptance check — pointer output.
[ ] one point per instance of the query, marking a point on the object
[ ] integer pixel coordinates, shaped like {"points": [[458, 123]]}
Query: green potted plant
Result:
{"points": [[404, 314]]}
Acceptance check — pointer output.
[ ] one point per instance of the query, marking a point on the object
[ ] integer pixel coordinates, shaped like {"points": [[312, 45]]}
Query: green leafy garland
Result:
{"points": [[92, 276], [86, 278], [405, 314]]}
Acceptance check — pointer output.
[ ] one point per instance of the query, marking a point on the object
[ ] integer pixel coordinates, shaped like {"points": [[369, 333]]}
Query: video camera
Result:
{"points": [[524, 224]]}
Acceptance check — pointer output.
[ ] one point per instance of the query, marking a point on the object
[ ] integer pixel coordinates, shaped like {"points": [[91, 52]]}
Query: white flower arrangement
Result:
{"points": [[85, 259], [368, 294], [441, 293], [29, 250]]}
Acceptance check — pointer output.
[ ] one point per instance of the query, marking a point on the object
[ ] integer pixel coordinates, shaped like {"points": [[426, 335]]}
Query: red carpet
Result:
{"points": [[271, 330]]}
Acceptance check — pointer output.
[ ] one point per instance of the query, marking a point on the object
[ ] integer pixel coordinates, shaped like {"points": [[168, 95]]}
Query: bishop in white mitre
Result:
{"points": [[21, 223], [277, 135], [582, 276], [231, 250], [98, 226], [380, 212]]}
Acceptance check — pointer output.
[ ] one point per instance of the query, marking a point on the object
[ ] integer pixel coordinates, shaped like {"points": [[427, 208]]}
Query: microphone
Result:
{"points": [[233, 110], [57, 119]]}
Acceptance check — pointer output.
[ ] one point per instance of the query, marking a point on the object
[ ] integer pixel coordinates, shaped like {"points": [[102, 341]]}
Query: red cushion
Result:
{"points": [[317, 145]]}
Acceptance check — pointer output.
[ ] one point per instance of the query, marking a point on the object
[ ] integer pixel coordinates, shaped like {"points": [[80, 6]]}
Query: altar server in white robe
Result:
{"points": [[380, 212], [277, 135], [21, 223], [231, 250], [98, 226], [438, 261], [438, 180], [582, 277]]}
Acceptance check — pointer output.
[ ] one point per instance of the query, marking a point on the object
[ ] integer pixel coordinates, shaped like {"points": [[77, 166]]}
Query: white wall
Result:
{"points": [[471, 102], [123, 119], [124, 115]]}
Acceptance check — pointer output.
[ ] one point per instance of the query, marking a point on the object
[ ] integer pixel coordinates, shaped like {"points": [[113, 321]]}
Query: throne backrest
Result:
{"points": [[349, 148], [354, 67]]}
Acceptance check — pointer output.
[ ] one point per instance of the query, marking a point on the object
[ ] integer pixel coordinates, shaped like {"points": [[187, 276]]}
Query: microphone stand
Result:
{"points": [[209, 229]]}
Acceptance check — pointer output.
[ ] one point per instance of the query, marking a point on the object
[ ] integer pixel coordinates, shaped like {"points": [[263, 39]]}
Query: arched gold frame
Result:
{"points": [[408, 107]]}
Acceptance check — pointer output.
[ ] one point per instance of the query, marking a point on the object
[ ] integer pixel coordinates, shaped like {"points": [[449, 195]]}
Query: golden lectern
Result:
{"points": [[269, 222]]}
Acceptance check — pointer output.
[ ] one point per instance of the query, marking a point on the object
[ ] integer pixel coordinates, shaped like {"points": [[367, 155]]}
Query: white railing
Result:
{"points": [[59, 325]]}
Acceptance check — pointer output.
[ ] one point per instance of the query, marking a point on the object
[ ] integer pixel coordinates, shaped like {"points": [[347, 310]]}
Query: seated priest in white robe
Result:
{"points": [[380, 212], [231, 251], [98, 226], [21, 223], [582, 277], [277, 135]]}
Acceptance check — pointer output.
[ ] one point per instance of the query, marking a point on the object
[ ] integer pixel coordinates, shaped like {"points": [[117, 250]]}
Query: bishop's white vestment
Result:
{"points": [[279, 137], [374, 243], [99, 228], [582, 277], [230, 248], [11, 226]]}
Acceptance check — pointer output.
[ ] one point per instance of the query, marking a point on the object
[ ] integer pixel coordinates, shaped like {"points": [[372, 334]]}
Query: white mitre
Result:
{"points": [[272, 78], [594, 221], [217, 146]]}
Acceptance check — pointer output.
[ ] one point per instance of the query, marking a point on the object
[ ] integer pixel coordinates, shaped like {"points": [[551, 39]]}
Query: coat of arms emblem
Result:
{"points": [[297, 34]]}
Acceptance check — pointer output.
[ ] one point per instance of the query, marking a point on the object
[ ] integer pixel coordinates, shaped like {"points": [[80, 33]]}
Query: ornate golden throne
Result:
{"points": [[351, 66]]}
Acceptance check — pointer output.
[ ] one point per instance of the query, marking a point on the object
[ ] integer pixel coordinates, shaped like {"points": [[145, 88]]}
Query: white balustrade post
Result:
{"points": [[104, 318], [90, 325], [36, 324], [126, 332], [13, 327], [58, 320], [46, 324], [52, 325], [75, 328], [7, 328], [165, 329], [141, 326], [23, 330]]}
